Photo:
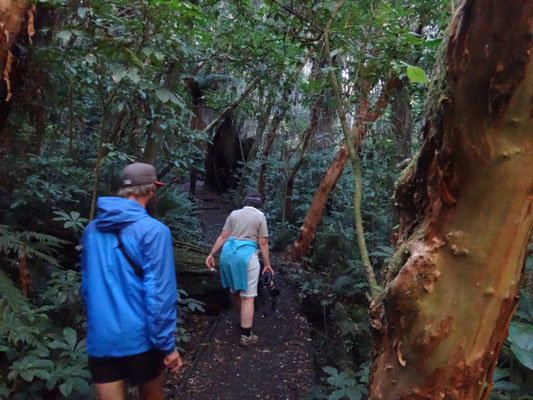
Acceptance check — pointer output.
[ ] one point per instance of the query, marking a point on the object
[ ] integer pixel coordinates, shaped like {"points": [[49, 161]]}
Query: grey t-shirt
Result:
{"points": [[248, 223]]}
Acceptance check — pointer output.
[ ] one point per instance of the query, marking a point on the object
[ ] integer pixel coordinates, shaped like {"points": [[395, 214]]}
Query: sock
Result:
{"points": [[246, 331]]}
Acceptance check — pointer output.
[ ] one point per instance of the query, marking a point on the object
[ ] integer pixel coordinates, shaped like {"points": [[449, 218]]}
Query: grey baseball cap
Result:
{"points": [[137, 174]]}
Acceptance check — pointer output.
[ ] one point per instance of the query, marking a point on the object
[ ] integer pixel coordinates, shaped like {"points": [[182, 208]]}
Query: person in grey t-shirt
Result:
{"points": [[244, 226]]}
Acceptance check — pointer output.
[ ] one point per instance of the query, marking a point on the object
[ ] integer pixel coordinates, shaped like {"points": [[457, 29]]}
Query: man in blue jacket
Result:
{"points": [[129, 291]]}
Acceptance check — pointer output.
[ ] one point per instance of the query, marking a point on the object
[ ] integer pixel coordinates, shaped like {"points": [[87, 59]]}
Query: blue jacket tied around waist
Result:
{"points": [[234, 263], [127, 315]]}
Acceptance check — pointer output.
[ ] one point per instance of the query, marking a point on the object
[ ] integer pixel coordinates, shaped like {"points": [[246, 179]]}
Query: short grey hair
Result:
{"points": [[136, 191]]}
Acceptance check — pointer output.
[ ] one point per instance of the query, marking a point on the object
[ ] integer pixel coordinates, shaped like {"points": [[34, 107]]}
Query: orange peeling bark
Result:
{"points": [[466, 214]]}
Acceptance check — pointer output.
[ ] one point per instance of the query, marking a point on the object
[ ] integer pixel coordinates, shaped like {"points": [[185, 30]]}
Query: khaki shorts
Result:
{"points": [[253, 277]]}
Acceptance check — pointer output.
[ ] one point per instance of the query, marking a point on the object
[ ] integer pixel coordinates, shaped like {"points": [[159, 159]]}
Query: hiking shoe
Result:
{"points": [[248, 340]]}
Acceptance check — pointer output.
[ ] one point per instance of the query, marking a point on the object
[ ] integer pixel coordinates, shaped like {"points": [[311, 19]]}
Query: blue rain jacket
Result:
{"points": [[234, 260], [127, 315]]}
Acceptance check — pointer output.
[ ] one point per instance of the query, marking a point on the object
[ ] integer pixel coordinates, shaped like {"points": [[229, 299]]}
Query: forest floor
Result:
{"points": [[280, 366]]}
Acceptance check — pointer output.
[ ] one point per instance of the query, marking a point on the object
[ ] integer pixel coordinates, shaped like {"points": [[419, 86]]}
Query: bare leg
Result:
{"points": [[247, 311], [110, 391], [236, 301], [153, 390]]}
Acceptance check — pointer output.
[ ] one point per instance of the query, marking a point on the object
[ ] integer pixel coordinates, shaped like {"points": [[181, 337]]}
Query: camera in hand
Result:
{"points": [[268, 282]]}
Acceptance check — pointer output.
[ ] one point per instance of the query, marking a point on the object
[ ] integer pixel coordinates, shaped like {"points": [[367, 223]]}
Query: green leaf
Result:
{"points": [[118, 74], [64, 37], [416, 74], [354, 392], [58, 345], [500, 373], [27, 375], [335, 52], [46, 364], [41, 373], [80, 385], [133, 75], [525, 356], [70, 337], [147, 51], [90, 58], [66, 387], [521, 334], [163, 94], [331, 371], [505, 386], [337, 394]]}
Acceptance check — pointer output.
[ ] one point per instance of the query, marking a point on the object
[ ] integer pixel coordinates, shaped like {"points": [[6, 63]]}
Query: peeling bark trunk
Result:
{"points": [[13, 14], [465, 215], [365, 115]]}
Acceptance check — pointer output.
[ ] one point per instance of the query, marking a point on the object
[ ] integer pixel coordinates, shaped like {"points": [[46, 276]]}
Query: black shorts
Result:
{"points": [[137, 369]]}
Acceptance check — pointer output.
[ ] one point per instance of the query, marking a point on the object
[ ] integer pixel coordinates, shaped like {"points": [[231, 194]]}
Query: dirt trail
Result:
{"points": [[278, 367]]}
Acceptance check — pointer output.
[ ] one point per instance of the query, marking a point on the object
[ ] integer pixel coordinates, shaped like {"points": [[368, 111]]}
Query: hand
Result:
{"points": [[210, 262], [268, 268], [173, 361]]}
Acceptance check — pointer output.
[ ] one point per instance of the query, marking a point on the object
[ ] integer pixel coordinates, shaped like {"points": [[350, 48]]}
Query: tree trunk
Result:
{"points": [[321, 120], [155, 132], [465, 215], [262, 123], [289, 186], [402, 125], [197, 123], [269, 142], [365, 115], [357, 175], [13, 14]]}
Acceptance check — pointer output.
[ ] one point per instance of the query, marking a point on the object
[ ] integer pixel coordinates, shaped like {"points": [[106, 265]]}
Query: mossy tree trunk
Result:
{"points": [[466, 214]]}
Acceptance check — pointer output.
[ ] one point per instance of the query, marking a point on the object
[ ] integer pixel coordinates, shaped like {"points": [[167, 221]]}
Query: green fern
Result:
{"points": [[29, 244], [10, 294]]}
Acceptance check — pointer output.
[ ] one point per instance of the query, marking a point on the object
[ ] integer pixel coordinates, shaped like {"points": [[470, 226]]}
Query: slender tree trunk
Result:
{"points": [[269, 141], [155, 133], [102, 150], [402, 124], [252, 154], [365, 115], [465, 215], [306, 137], [321, 119], [197, 123], [358, 180]]}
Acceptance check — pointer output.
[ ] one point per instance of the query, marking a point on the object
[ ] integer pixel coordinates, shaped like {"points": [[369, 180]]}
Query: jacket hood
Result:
{"points": [[115, 213]]}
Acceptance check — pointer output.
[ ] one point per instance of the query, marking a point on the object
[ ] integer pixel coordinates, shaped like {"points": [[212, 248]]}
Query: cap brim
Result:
{"points": [[160, 184]]}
